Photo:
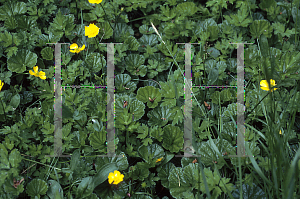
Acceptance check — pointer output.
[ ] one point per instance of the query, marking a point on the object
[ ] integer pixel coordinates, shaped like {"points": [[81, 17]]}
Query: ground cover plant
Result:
{"points": [[149, 99]]}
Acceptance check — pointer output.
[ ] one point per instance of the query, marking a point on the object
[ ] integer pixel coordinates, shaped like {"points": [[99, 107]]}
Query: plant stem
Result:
{"points": [[260, 101], [41, 164]]}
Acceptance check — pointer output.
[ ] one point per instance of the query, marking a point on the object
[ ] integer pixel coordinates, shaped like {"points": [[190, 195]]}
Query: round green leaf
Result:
{"points": [[95, 62], [147, 94], [159, 116], [259, 27], [123, 84], [97, 139], [17, 63], [178, 184], [208, 154], [172, 138], [47, 53], [164, 173], [37, 187], [151, 153]]}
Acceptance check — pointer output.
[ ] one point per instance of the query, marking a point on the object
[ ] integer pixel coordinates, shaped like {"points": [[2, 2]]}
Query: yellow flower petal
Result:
{"points": [[280, 132], [36, 69], [95, 1], [75, 49], [265, 86], [116, 177], [91, 30], [31, 73], [82, 48], [42, 75], [159, 159], [73, 46], [1, 84], [36, 72]]}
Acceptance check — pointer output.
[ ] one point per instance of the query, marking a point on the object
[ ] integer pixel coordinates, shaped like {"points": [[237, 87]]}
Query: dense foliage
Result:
{"points": [[149, 98]]}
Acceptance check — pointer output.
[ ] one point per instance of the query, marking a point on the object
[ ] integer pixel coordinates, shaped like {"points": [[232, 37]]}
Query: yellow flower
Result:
{"points": [[280, 132], [36, 73], [91, 30], [74, 48], [159, 159], [122, 9], [266, 87], [95, 1], [1, 85], [115, 177]]}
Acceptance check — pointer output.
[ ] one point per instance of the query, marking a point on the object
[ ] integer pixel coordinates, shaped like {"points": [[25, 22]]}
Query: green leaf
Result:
{"points": [[264, 46], [85, 188], [75, 160], [209, 155], [168, 90], [192, 174], [147, 141], [6, 37], [97, 139], [17, 63], [15, 158], [279, 29], [144, 93], [55, 191], [289, 63], [159, 116], [177, 183], [167, 14], [239, 19], [108, 31], [145, 30], [213, 76], [47, 53], [187, 8], [4, 164], [164, 173], [36, 187], [26, 23], [259, 27], [95, 62], [172, 138], [11, 23], [132, 43], [143, 131], [103, 173], [249, 192], [134, 62], [9, 144], [157, 133], [62, 23], [66, 112], [122, 31], [11, 9], [150, 40], [15, 101], [140, 171], [11, 51], [151, 153]]}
